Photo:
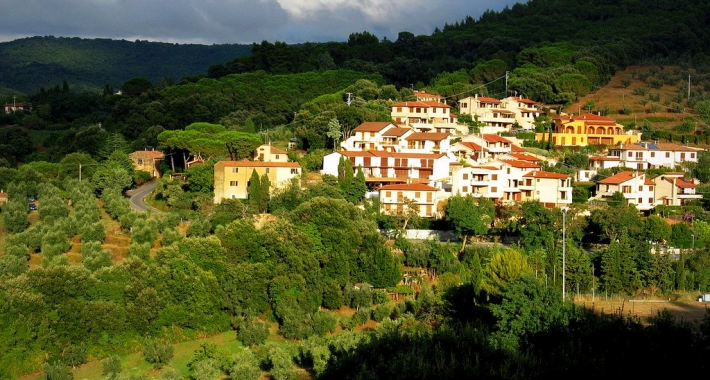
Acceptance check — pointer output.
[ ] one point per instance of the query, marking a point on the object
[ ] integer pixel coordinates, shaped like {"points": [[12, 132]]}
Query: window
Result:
{"points": [[234, 196], [465, 175], [399, 109], [692, 155], [641, 188], [668, 154], [494, 189], [508, 170], [388, 194], [233, 183], [563, 195], [640, 200], [682, 156], [277, 156], [630, 154], [653, 154], [267, 170], [294, 171], [140, 161], [494, 177], [650, 200], [235, 170], [464, 189], [417, 195]]}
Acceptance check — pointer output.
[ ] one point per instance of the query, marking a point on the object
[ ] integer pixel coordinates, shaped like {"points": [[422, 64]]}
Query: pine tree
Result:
{"points": [[255, 191]]}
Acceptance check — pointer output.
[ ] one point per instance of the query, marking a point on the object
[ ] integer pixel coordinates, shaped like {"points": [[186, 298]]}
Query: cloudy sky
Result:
{"points": [[232, 21]]}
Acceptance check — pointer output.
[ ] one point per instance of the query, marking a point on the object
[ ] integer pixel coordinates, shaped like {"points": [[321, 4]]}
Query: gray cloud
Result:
{"points": [[233, 21]]}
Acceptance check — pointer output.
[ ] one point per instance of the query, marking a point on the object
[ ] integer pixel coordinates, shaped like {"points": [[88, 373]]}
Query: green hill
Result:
{"points": [[30, 63]]}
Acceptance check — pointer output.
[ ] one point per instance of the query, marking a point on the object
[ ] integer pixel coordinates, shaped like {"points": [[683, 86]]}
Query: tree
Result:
{"points": [[656, 229], [56, 371], [334, 132], [256, 192], [157, 352], [505, 266], [136, 86], [619, 274], [469, 217], [345, 175], [246, 366], [112, 366]]}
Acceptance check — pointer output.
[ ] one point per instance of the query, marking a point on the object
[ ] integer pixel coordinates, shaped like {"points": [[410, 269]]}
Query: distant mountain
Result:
{"points": [[30, 63]]}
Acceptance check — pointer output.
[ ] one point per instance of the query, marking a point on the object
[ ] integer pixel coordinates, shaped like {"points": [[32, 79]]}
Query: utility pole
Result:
{"points": [[688, 86], [506, 84]]}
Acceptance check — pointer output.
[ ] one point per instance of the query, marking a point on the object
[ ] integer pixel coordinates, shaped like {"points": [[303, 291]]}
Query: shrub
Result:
{"points": [[381, 313], [245, 367], [362, 316], [139, 250], [157, 352], [323, 323], [111, 366], [282, 367], [75, 355], [252, 332], [56, 371], [379, 297]]}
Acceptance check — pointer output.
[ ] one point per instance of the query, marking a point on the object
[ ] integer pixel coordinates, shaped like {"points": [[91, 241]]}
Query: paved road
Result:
{"points": [[137, 196]]}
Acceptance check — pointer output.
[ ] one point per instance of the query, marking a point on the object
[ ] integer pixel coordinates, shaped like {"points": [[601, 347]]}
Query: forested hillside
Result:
{"points": [[30, 63]]}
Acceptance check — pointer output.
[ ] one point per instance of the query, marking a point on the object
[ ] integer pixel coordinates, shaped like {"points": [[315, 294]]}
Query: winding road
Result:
{"points": [[137, 197]]}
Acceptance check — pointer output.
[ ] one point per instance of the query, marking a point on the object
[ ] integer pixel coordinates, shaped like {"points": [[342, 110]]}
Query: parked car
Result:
{"points": [[33, 207]]}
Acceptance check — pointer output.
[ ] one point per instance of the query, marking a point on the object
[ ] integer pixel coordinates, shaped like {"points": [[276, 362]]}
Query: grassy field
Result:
{"points": [[615, 97], [682, 309]]}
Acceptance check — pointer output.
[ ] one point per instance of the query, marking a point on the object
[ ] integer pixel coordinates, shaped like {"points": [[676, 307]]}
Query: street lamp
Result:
{"points": [[564, 247]]}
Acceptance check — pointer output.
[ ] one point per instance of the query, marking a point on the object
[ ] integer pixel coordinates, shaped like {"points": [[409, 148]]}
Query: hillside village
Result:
{"points": [[425, 156]]}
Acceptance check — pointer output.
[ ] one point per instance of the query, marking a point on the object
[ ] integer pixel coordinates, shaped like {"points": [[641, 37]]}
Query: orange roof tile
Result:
{"points": [[619, 178], [258, 164], [428, 136], [421, 104], [396, 132], [544, 174], [371, 126], [521, 164], [603, 158], [524, 157], [149, 153], [409, 186]]}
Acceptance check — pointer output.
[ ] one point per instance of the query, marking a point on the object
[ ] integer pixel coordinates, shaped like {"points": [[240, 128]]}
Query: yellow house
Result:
{"points": [[269, 153], [588, 129], [147, 161], [231, 178]]}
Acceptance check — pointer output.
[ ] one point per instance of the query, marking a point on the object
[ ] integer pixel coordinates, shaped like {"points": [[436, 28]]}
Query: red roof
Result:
{"points": [[681, 182], [259, 164], [603, 158], [523, 100], [149, 153], [471, 145], [423, 94], [521, 164], [409, 187], [421, 104], [428, 136], [382, 153], [396, 132], [524, 157], [372, 126], [622, 177], [515, 148], [485, 99], [543, 174]]}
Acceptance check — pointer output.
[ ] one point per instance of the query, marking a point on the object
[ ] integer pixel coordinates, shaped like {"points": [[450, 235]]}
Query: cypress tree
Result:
{"points": [[265, 190], [255, 191]]}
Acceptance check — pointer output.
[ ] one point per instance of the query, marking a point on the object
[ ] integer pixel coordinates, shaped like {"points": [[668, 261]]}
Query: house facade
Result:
{"points": [[231, 178], [649, 155], [550, 189], [14, 107], [382, 167], [636, 188], [420, 112], [588, 129], [270, 153], [395, 199], [673, 189], [147, 161], [502, 113]]}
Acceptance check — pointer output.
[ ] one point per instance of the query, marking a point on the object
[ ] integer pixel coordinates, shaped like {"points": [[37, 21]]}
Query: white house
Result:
{"points": [[649, 155], [636, 188], [673, 189]]}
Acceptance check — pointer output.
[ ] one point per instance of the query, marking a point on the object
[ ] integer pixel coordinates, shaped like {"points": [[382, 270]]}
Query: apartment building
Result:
{"points": [[636, 188], [649, 155], [395, 199], [673, 189], [369, 135], [269, 153], [381, 167], [550, 189], [231, 178], [412, 113], [479, 181], [502, 113], [588, 129]]}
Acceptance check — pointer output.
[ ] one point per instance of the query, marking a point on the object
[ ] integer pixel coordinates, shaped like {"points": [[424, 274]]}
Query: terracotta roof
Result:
{"points": [[275, 150], [428, 136], [149, 153], [485, 99], [426, 94], [675, 147], [543, 174], [521, 164], [603, 158], [423, 104], [258, 164], [396, 132], [382, 153], [496, 138], [681, 182], [472, 145], [523, 100], [622, 177], [409, 186], [371, 126], [515, 148], [524, 157]]}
